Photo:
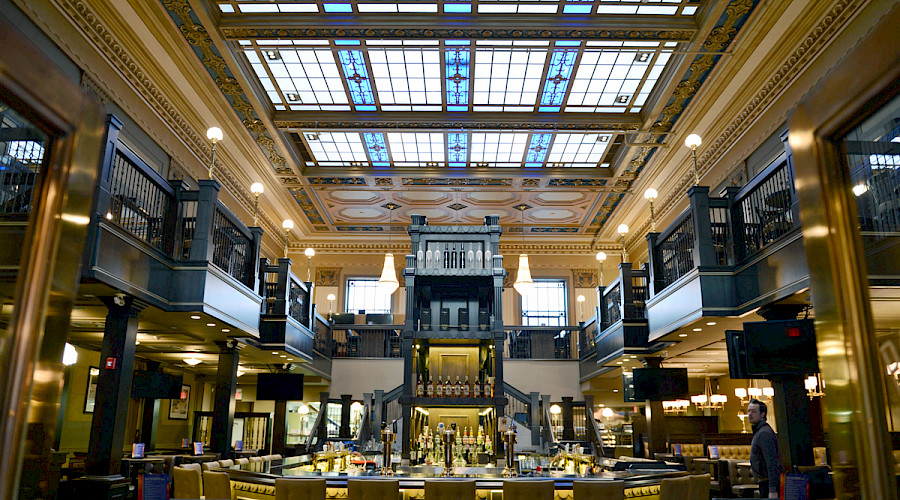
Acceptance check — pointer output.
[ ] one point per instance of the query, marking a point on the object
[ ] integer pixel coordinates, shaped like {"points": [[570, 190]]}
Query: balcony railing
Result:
{"points": [[366, 341], [674, 252], [284, 293], [540, 342], [232, 246], [586, 336], [763, 210], [625, 298]]}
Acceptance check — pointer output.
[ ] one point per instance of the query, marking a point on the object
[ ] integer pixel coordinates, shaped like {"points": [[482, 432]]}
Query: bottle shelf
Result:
{"points": [[452, 401], [439, 271], [454, 333]]}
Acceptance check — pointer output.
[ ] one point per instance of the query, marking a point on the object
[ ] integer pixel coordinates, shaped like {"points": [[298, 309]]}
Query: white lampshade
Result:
{"points": [[356, 406], [257, 188], [555, 409], [768, 392], [193, 361], [650, 194], [303, 409], [623, 229], [580, 298], [287, 225], [214, 134], [524, 284], [388, 281], [606, 412], [70, 355], [692, 141], [740, 392], [331, 297], [754, 391], [310, 252], [601, 256]]}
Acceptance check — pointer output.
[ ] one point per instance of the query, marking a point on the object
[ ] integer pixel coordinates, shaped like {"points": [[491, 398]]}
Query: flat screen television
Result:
{"points": [[660, 384], [155, 385], [786, 347], [343, 318], [379, 319], [628, 388], [279, 387], [737, 354]]}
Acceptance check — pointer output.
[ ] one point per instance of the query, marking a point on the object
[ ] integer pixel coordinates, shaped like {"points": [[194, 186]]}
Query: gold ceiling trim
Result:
{"points": [[454, 125], [375, 247]]}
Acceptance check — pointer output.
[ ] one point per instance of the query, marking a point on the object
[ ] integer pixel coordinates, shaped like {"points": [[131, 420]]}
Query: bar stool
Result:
{"points": [[210, 465], [300, 489], [449, 489], [675, 489], [186, 482], [699, 487], [242, 461], [608, 490], [517, 489], [217, 486], [256, 459], [226, 463], [373, 489]]}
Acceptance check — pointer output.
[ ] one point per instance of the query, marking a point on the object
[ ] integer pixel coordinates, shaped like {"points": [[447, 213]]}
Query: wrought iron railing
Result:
{"points": [[322, 337], [586, 338], [188, 226], [764, 211], [17, 182], [540, 342], [366, 341], [298, 301], [674, 252], [517, 403], [640, 294], [232, 247], [138, 203], [612, 305], [718, 220], [875, 165], [20, 162]]}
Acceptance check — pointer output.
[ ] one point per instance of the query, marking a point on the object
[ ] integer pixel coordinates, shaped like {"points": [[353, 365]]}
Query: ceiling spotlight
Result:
{"points": [[192, 360], [710, 323], [210, 324], [195, 316], [225, 330], [698, 329], [272, 55], [293, 97], [642, 57], [682, 335], [240, 372]]}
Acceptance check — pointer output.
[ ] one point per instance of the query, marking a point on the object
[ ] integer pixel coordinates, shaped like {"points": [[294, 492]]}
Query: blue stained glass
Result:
{"points": [[357, 76], [453, 8], [457, 71], [377, 150], [561, 63], [538, 147], [577, 9], [338, 7], [457, 147]]}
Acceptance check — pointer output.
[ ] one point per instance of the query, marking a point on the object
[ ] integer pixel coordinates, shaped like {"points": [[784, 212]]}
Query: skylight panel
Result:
{"points": [[298, 7], [508, 76], [657, 10], [498, 147], [457, 78], [416, 148], [689, 10], [408, 76], [608, 78], [417, 7], [378, 152], [578, 149], [457, 149], [341, 147], [377, 7], [257, 7], [558, 74], [357, 77], [226, 8], [302, 76], [537, 149]]}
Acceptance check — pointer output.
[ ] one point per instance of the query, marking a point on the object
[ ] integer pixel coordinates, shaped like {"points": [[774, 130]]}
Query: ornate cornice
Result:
{"points": [[442, 33], [451, 125], [512, 248]]}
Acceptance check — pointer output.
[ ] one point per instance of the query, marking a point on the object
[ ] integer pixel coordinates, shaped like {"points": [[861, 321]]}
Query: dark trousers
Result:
{"points": [[763, 489]]}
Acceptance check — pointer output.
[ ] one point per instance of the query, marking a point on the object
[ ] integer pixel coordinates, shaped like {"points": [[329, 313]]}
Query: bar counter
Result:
{"points": [[257, 480]]}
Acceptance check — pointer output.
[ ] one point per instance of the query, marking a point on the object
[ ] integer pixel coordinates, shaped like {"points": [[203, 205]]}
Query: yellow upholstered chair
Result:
{"points": [[210, 465], [607, 490], [300, 489], [242, 461], [217, 486], [226, 463], [256, 459], [514, 489], [700, 487], [186, 483], [373, 489], [449, 489], [675, 489]]}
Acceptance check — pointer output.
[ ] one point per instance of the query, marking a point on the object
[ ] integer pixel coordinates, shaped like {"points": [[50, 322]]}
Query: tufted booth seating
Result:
{"points": [[743, 484], [675, 488], [736, 451], [691, 449], [649, 492]]}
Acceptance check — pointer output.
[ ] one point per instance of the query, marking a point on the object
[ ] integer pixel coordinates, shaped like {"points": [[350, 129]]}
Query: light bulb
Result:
{"points": [[623, 229], [601, 256], [257, 188], [214, 134], [192, 361], [650, 194], [331, 297], [580, 298], [287, 225], [692, 141], [310, 252]]}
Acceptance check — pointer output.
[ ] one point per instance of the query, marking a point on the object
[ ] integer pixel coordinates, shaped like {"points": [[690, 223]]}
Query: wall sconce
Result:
{"points": [[813, 383], [693, 141], [650, 194], [287, 225], [257, 189], [214, 134]]}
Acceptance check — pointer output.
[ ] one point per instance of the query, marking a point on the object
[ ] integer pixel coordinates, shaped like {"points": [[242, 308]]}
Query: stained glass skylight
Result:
{"points": [[357, 78], [457, 148], [407, 76], [507, 76]]}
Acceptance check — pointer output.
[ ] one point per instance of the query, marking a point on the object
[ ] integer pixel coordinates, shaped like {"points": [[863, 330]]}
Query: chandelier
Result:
{"points": [[676, 407], [708, 400], [814, 386], [745, 394]]}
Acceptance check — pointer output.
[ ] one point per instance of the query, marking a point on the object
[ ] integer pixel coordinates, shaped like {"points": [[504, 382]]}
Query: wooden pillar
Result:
{"points": [[344, 431], [568, 433], [656, 420], [223, 403], [534, 418], [279, 428]]}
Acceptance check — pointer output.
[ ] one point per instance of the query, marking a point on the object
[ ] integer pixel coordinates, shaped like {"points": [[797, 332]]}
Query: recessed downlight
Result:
{"points": [[225, 330], [682, 335], [210, 324], [698, 329], [195, 316], [275, 353], [284, 355], [710, 323]]}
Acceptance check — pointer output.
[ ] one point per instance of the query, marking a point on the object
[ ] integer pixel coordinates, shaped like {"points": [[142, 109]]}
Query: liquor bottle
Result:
{"points": [[420, 387], [488, 448], [429, 389], [448, 387], [439, 388], [486, 389], [476, 388], [457, 388], [465, 388], [492, 387], [479, 441]]}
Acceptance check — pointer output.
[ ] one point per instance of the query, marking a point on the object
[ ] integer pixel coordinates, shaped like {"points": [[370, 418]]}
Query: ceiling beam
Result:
{"points": [[478, 26], [292, 121], [472, 176]]}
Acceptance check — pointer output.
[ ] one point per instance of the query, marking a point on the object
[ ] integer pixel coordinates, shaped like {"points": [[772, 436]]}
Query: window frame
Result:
{"points": [[348, 296], [564, 302]]}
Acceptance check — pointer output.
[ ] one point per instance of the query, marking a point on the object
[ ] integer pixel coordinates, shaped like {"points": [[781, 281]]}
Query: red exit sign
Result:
{"points": [[793, 332]]}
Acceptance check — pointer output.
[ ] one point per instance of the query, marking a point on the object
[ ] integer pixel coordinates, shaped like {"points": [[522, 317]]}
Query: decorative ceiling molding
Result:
{"points": [[512, 248], [674, 35], [336, 120]]}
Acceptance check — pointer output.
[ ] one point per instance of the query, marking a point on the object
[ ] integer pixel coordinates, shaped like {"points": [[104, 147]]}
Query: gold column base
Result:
{"points": [[387, 471], [509, 472]]}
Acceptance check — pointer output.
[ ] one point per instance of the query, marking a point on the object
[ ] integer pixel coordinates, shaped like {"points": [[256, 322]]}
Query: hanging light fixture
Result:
{"points": [[708, 400], [214, 134], [388, 283], [745, 394], [524, 284], [192, 360], [676, 407], [257, 189], [693, 141], [601, 256]]}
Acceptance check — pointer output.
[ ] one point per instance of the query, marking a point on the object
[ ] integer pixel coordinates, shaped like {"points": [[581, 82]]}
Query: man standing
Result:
{"points": [[764, 458]]}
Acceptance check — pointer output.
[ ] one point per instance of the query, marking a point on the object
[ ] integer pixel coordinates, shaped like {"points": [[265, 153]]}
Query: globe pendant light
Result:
{"points": [[388, 282]]}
